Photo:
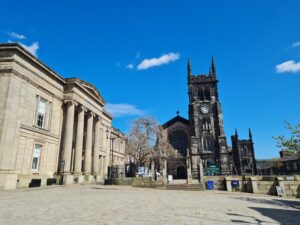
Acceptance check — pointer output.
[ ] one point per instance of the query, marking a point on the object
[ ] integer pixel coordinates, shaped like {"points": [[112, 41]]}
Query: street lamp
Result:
{"points": [[108, 136]]}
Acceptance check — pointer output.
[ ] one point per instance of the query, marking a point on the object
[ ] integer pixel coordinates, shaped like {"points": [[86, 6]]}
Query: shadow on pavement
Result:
{"points": [[246, 218], [283, 216], [277, 202]]}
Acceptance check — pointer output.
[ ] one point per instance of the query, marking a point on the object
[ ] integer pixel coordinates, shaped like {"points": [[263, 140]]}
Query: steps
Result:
{"points": [[186, 187]]}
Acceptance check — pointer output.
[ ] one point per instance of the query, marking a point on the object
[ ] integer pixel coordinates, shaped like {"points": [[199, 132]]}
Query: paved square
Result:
{"points": [[126, 205]]}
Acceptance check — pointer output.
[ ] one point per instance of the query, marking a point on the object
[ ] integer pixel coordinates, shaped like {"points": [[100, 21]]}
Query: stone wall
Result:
{"points": [[219, 182]]}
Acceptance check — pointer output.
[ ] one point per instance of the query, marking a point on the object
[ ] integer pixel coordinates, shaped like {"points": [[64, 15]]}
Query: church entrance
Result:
{"points": [[181, 172], [177, 168]]}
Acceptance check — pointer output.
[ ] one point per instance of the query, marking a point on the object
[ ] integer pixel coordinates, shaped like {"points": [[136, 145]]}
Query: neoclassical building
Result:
{"points": [[51, 128]]}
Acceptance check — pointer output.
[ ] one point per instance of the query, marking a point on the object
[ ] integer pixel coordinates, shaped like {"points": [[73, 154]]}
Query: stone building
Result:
{"points": [[244, 162], [117, 154], [201, 138], [50, 127]]}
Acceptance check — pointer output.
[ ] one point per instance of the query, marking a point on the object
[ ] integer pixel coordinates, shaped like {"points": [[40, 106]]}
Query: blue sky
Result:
{"points": [[256, 45]]}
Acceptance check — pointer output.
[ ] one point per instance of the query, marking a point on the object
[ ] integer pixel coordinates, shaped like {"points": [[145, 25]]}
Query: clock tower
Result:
{"points": [[208, 142]]}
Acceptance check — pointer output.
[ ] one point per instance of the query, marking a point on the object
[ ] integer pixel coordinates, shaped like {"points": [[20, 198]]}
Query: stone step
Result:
{"points": [[187, 187]]}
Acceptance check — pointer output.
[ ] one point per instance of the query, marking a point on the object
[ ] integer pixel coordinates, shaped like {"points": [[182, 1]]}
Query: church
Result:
{"points": [[199, 142]]}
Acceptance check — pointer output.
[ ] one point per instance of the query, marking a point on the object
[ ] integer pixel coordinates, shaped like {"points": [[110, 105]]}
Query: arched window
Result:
{"points": [[200, 94], [208, 143], [207, 94], [179, 140], [206, 124]]}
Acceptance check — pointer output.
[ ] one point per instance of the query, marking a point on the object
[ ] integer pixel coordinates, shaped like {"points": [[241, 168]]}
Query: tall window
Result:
{"points": [[36, 157], [200, 94], [208, 143], [207, 93], [42, 113]]}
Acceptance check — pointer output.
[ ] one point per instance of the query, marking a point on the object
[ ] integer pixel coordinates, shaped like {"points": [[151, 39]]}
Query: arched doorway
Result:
{"points": [[181, 172]]}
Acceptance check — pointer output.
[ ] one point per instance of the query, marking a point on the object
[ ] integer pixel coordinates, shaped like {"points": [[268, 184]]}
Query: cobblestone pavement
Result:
{"points": [[126, 205]]}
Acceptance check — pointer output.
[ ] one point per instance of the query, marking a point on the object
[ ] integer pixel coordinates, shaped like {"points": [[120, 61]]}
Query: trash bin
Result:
{"points": [[235, 185], [210, 185]]}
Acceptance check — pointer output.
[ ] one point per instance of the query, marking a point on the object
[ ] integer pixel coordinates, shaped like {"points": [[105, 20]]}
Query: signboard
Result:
{"points": [[213, 170], [280, 191]]}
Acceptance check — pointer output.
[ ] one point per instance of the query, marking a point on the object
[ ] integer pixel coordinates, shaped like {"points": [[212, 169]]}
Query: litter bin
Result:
{"points": [[210, 185], [235, 185]]}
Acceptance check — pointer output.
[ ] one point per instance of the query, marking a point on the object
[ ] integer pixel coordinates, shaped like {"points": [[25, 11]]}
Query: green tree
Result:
{"points": [[292, 142]]}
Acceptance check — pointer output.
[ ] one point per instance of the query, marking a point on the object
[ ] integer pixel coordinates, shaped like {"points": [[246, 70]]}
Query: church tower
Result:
{"points": [[208, 141]]}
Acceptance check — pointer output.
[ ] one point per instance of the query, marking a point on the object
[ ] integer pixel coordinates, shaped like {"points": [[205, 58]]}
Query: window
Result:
{"points": [[36, 157], [208, 143], [207, 94], [42, 113], [200, 94]]}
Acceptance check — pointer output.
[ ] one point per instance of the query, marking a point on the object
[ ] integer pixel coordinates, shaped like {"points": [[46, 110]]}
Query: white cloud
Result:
{"points": [[288, 67], [31, 48], [123, 109], [16, 35], [296, 44], [164, 59], [130, 66]]}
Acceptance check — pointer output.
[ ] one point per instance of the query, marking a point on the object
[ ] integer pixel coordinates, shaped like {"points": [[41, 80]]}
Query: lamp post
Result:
{"points": [[108, 136]]}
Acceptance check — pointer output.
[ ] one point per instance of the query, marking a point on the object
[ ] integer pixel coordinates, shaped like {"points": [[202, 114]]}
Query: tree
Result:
{"points": [[142, 139], [277, 163], [146, 143], [291, 143], [163, 148]]}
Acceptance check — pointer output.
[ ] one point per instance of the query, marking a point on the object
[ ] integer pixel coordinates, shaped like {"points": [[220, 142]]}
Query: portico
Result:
{"points": [[81, 143]]}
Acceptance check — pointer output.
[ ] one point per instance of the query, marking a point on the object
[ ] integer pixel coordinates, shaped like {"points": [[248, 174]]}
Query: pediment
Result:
{"points": [[86, 87]]}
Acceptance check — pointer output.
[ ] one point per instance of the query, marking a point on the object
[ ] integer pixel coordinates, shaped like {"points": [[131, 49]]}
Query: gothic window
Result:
{"points": [[179, 141], [200, 94], [208, 143], [206, 124], [207, 94]]}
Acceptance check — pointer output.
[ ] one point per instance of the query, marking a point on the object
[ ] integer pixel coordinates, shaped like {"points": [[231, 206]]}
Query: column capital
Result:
{"points": [[98, 118], [70, 101], [81, 107], [92, 114]]}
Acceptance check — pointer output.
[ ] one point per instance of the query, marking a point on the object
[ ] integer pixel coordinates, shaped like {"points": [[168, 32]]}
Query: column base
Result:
{"points": [[98, 178], [8, 181], [89, 179], [80, 179], [68, 179]]}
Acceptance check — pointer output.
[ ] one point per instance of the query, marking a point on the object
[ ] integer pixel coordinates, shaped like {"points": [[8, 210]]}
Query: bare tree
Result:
{"points": [[142, 139]]}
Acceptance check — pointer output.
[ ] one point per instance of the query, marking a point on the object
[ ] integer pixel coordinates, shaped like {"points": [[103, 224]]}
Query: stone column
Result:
{"points": [[96, 147], [88, 148], [201, 174], [79, 141], [68, 137]]}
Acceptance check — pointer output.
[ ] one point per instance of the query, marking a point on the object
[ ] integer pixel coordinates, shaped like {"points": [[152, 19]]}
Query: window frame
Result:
{"points": [[46, 117], [38, 158]]}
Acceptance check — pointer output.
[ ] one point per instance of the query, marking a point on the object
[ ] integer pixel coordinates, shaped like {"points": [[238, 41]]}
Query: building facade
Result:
{"points": [[201, 138], [50, 127], [244, 162]]}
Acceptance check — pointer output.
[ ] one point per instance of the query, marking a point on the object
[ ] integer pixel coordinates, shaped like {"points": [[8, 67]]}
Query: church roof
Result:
{"points": [[175, 120]]}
